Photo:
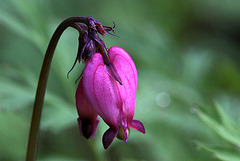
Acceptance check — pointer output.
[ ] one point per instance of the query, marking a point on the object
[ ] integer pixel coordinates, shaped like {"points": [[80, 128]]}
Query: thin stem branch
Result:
{"points": [[42, 83]]}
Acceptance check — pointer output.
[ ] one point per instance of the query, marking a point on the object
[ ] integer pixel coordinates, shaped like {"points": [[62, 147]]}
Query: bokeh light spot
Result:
{"points": [[163, 99]]}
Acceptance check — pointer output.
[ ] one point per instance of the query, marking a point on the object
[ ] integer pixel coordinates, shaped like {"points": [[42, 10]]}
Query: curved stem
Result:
{"points": [[42, 83]]}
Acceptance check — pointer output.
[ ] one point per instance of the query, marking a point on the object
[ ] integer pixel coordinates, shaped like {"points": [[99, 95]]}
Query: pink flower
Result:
{"points": [[113, 100]]}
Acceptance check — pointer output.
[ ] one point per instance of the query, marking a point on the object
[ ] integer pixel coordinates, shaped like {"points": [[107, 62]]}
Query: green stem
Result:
{"points": [[96, 156], [42, 83]]}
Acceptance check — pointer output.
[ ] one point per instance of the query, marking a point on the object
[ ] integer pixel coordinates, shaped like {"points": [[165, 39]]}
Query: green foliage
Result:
{"points": [[186, 50], [229, 132]]}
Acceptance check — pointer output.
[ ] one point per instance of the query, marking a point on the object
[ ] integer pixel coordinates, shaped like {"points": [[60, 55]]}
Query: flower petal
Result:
{"points": [[137, 125], [87, 128], [87, 120], [101, 90], [127, 71], [108, 137]]}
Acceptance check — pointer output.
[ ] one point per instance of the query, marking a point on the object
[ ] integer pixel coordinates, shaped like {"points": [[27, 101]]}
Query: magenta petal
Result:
{"points": [[87, 128], [137, 125], [126, 69], [108, 137], [95, 125], [101, 90], [87, 120]]}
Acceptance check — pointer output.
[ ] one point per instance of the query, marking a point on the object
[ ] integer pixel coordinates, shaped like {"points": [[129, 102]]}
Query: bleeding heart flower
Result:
{"points": [[110, 90]]}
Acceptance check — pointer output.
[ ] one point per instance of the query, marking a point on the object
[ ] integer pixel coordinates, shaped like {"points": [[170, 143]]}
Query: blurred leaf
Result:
{"points": [[13, 95], [227, 129], [224, 130], [226, 154], [18, 27], [227, 122], [58, 114], [13, 135]]}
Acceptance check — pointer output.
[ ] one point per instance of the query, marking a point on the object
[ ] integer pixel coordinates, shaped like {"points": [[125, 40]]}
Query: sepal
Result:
{"points": [[137, 125], [108, 137]]}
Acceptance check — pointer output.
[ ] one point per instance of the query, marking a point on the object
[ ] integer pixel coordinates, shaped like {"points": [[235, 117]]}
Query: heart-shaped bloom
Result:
{"points": [[110, 90]]}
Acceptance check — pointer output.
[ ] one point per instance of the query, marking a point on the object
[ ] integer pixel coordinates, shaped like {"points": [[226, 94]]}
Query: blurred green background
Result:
{"points": [[187, 54]]}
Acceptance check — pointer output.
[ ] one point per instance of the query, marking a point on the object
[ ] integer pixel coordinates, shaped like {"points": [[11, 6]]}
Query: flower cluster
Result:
{"points": [[107, 87]]}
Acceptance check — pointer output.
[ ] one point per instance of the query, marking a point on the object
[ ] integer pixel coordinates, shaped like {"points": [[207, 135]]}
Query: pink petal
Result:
{"points": [[128, 73], [109, 136], [101, 90], [87, 128], [87, 120], [137, 125]]}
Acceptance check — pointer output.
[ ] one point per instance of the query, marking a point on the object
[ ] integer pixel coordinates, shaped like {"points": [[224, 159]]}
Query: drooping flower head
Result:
{"points": [[108, 85], [111, 100]]}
